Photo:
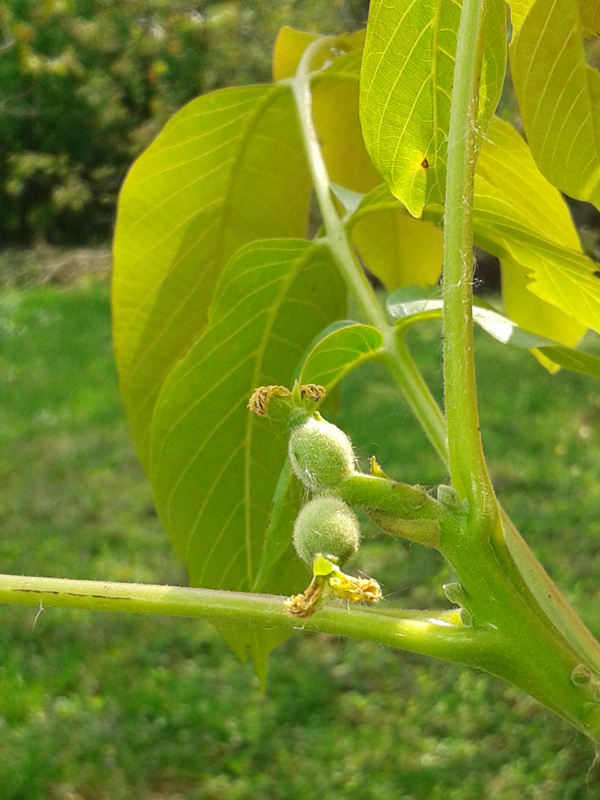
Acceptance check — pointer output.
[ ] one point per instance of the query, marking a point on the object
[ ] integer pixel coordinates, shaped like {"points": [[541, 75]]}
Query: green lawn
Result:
{"points": [[137, 708]]}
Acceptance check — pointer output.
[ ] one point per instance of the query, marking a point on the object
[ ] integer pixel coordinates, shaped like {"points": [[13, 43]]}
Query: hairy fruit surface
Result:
{"points": [[327, 526], [321, 454]]}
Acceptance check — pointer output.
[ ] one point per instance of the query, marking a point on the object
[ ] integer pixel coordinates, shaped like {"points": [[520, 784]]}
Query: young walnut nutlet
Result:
{"points": [[329, 527], [321, 454]]}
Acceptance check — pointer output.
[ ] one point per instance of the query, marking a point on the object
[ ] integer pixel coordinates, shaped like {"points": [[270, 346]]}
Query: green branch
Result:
{"points": [[524, 653], [467, 462], [433, 633]]}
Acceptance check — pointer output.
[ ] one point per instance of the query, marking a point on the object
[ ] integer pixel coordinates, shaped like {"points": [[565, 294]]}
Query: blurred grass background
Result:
{"points": [[114, 707]]}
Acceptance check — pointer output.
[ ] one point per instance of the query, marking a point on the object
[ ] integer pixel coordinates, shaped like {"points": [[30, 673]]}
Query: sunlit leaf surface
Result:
{"points": [[413, 304], [522, 219], [215, 465], [399, 249], [229, 168], [558, 91], [406, 85], [339, 352]]}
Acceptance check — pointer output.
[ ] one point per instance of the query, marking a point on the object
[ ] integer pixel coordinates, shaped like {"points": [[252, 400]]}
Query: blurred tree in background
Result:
{"points": [[85, 85]]}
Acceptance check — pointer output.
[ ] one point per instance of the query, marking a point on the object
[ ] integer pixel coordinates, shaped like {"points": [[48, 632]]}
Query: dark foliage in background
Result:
{"points": [[85, 85]]}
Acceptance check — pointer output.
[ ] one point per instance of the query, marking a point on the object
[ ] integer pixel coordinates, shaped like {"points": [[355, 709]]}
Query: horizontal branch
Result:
{"points": [[433, 633]]}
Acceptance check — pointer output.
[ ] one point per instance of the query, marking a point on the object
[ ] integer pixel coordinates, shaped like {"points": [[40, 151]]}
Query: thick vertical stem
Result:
{"points": [[467, 463]]}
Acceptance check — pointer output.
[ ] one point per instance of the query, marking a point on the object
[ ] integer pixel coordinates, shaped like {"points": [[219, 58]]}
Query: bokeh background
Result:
{"points": [[115, 707], [85, 85]]}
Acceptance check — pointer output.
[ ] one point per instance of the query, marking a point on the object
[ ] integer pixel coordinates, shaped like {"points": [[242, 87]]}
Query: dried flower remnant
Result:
{"points": [[261, 397], [329, 581]]}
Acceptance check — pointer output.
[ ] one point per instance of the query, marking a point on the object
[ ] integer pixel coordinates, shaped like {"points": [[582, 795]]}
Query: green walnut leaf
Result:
{"points": [[573, 360], [558, 91], [406, 86], [549, 286], [523, 220], [341, 351], [215, 467], [412, 304], [398, 249], [228, 169]]}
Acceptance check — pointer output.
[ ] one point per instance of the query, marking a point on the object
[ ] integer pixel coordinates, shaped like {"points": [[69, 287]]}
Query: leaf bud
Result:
{"points": [[450, 498], [321, 454], [455, 593], [581, 675], [329, 527]]}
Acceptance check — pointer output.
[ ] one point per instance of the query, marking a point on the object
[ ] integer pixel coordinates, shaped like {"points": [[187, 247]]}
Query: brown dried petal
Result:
{"points": [[259, 401]]}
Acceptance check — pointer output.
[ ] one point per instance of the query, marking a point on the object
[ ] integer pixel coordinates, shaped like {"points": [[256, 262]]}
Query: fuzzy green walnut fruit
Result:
{"points": [[321, 454], [329, 527]]}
